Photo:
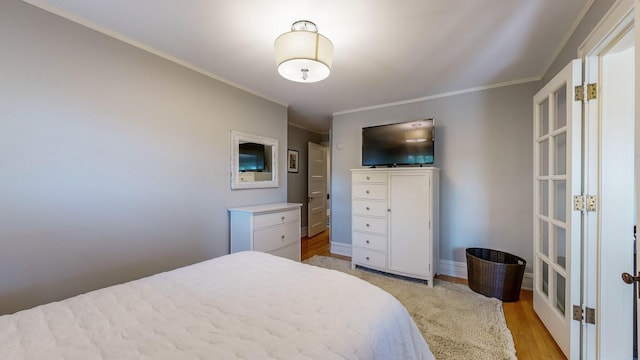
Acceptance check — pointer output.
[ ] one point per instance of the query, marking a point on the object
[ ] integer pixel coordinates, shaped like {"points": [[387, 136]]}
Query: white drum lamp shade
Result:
{"points": [[302, 54]]}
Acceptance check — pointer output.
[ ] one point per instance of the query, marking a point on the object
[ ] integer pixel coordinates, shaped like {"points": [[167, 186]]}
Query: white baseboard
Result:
{"points": [[459, 270], [340, 249], [304, 231], [445, 267], [452, 268], [527, 281]]}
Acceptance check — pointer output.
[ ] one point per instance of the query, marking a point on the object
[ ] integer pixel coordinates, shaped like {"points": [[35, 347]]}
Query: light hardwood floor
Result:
{"points": [[531, 338]]}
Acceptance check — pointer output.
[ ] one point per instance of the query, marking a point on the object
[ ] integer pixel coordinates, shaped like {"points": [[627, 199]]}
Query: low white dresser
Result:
{"points": [[271, 228]]}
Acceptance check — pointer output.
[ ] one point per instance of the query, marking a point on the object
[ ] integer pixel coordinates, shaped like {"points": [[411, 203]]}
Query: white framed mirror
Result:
{"points": [[254, 161]]}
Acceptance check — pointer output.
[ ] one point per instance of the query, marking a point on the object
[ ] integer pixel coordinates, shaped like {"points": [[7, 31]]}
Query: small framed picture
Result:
{"points": [[292, 161]]}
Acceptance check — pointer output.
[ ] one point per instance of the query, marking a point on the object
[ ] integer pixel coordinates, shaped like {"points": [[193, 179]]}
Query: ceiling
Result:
{"points": [[385, 51]]}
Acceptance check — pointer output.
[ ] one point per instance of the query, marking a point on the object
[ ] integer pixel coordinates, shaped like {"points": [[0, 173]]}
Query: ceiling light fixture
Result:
{"points": [[302, 54]]}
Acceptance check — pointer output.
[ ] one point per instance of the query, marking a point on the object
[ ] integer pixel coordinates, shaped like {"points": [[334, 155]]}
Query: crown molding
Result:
{"points": [[442, 95]]}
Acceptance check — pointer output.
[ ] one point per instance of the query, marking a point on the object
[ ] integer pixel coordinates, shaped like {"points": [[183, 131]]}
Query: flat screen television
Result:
{"points": [[251, 157], [400, 144]]}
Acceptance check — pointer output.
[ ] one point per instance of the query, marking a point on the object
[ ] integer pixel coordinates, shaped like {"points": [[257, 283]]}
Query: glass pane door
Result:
{"points": [[557, 120], [552, 197]]}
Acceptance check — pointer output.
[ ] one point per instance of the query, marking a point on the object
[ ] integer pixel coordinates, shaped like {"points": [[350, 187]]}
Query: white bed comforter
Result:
{"points": [[247, 305]]}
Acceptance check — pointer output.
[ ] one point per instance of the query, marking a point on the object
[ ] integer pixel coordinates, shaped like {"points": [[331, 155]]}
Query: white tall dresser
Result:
{"points": [[272, 228], [395, 220]]}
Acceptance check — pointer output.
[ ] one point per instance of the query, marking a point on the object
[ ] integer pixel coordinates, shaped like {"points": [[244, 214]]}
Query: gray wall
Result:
{"points": [[114, 162], [483, 148], [298, 139], [570, 51]]}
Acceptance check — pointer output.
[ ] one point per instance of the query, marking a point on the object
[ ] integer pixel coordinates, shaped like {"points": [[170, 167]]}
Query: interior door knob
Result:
{"points": [[630, 279]]}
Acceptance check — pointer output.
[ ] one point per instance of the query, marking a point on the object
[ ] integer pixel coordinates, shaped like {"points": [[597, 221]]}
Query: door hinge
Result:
{"points": [[585, 203], [592, 91], [577, 312], [578, 203], [579, 93], [592, 201], [590, 314]]}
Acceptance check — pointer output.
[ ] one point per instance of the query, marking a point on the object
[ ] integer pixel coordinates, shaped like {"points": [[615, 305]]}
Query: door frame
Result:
{"points": [[637, 152], [614, 24]]}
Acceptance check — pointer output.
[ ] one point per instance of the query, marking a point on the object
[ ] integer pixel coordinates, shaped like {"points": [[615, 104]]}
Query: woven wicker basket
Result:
{"points": [[495, 273]]}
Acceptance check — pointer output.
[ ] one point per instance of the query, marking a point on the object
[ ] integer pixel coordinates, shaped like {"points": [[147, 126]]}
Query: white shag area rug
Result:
{"points": [[456, 322]]}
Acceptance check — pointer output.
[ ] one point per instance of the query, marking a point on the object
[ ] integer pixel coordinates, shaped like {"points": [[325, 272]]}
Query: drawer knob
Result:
{"points": [[367, 241], [282, 237], [367, 258], [367, 191], [367, 178], [367, 208], [367, 225], [282, 218]]}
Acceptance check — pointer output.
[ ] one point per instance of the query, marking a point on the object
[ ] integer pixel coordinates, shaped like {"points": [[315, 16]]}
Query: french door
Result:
{"points": [[585, 194], [557, 235]]}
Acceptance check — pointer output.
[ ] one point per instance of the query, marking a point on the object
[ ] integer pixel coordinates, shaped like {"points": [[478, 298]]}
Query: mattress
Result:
{"points": [[247, 305]]}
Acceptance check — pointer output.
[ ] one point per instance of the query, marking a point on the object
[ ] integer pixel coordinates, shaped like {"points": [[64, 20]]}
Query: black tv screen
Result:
{"points": [[251, 157], [408, 143]]}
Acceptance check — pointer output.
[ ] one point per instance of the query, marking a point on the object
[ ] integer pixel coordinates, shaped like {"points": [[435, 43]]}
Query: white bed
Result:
{"points": [[247, 305]]}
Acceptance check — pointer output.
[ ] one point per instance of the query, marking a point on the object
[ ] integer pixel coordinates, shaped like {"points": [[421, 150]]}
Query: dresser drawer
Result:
{"points": [[269, 239], [266, 220], [369, 177], [369, 241], [369, 258], [369, 191], [369, 208], [367, 224]]}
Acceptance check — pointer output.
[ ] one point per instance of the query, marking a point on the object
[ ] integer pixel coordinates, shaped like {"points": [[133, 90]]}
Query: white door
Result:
{"points": [[609, 173], [317, 189], [637, 162], [609, 150], [557, 176]]}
